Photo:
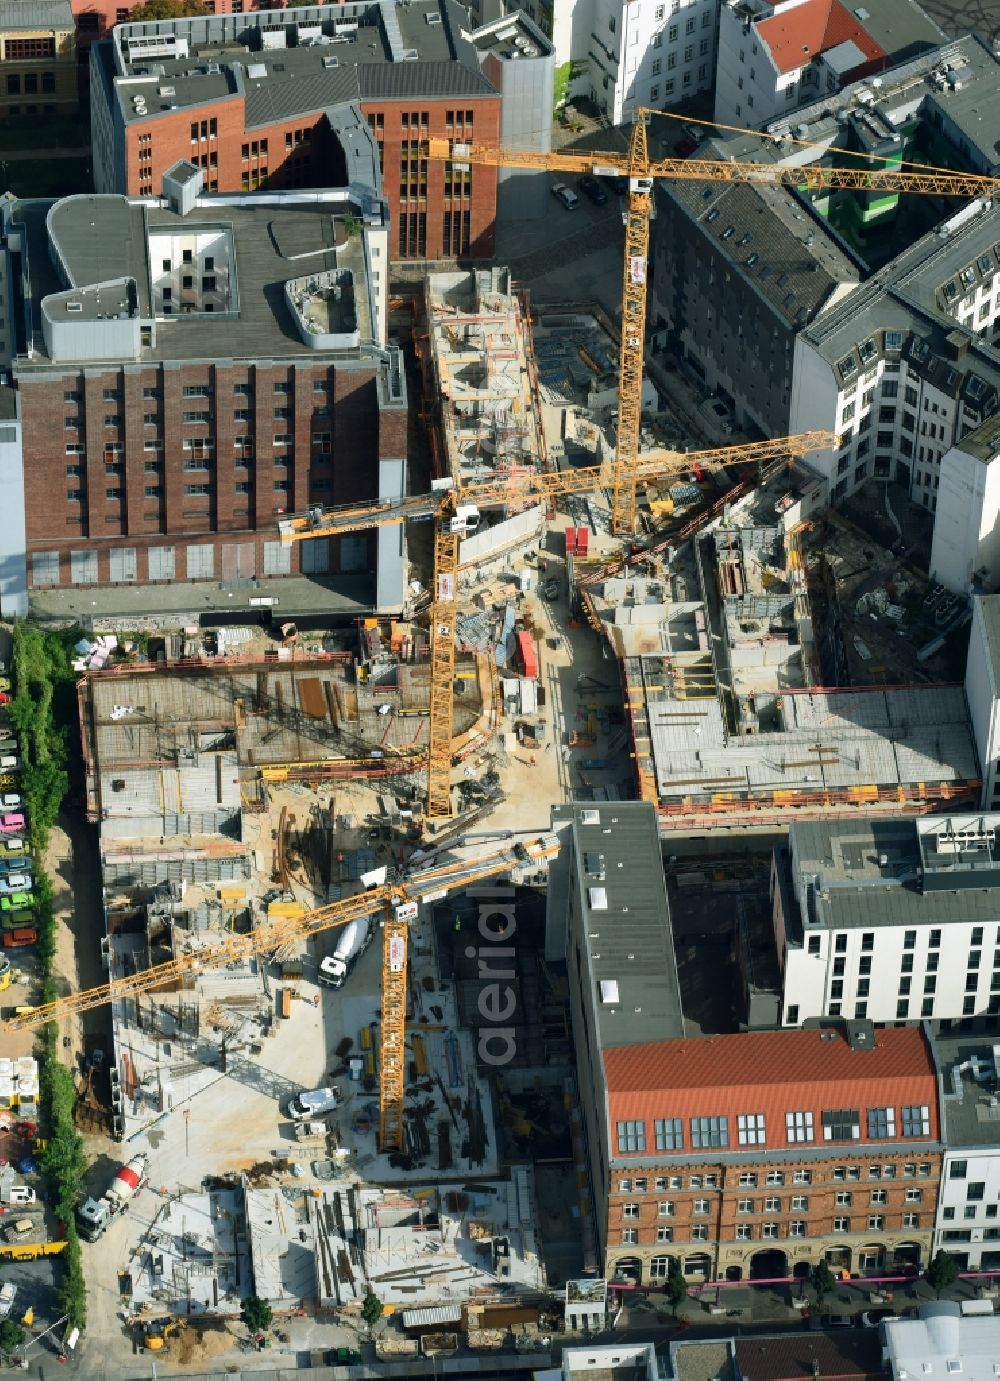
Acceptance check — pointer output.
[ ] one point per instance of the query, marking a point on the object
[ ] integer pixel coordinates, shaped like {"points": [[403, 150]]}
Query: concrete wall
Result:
{"points": [[490, 543], [981, 695], [13, 560], [966, 540]]}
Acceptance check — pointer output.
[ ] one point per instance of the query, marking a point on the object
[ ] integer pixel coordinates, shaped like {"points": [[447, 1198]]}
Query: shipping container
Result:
{"points": [[527, 655]]}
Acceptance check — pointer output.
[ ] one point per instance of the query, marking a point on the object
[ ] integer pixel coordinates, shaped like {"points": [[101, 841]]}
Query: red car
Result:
{"points": [[17, 939], [5, 697]]}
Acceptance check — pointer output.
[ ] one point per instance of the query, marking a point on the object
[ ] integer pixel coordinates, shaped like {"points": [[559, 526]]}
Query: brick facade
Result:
{"points": [[435, 212], [141, 457]]}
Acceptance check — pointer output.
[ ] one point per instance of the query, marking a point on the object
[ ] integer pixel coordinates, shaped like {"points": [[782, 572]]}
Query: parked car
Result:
{"points": [[566, 195], [8, 1293], [11, 801], [16, 920], [313, 1103], [15, 901], [873, 1317], [828, 1321], [592, 189], [12, 823], [19, 939], [20, 863], [20, 1195], [15, 882]]}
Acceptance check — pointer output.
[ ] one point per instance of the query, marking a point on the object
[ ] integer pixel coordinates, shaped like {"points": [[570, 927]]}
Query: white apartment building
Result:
{"points": [[890, 920], [776, 55], [965, 551], [624, 54], [967, 1223]]}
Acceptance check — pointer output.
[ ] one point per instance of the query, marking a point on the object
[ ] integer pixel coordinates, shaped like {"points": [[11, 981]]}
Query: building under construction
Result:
{"points": [[724, 696], [484, 376]]}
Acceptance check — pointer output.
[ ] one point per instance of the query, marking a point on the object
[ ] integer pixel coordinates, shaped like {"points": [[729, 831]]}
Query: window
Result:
{"points": [[812, 947], [914, 1196], [796, 1228], [665, 1208], [744, 1232], [841, 1224], [153, 491], [669, 1132], [842, 1124], [799, 1126], [744, 1205], [750, 1128], [800, 1204], [161, 563], [881, 1123], [197, 490], [625, 1186], [641, 1184], [911, 1220], [876, 1222], [708, 1131], [748, 1180], [630, 1236], [769, 1229], [775, 1177], [45, 568], [802, 1177], [152, 394], [975, 1191], [83, 567], [699, 1232], [631, 1136], [664, 1234], [958, 1169], [843, 1198], [700, 1207], [772, 1204], [878, 1197], [196, 416], [916, 1120], [630, 1210]]}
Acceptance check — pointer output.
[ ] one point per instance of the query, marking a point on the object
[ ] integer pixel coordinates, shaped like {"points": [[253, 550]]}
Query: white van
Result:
{"points": [[315, 1102]]}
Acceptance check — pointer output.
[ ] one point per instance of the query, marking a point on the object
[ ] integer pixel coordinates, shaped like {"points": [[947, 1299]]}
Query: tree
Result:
{"points": [[11, 1336], [372, 1309], [257, 1314], [676, 1287], [942, 1272], [822, 1281], [167, 9]]}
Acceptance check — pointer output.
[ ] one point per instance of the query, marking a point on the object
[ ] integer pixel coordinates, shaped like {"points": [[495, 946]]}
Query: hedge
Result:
{"points": [[43, 678]]}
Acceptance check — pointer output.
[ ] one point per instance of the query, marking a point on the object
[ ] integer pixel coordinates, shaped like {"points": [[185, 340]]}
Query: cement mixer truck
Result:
{"points": [[354, 940], [95, 1215]]}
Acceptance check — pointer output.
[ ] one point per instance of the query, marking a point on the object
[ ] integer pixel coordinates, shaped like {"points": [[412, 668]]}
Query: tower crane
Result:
{"points": [[455, 510], [641, 172], [396, 901]]}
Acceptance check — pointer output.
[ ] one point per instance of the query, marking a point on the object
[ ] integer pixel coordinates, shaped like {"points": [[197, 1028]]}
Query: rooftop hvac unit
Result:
{"points": [[212, 69], [166, 91], [410, 55], [433, 19], [530, 51], [330, 61]]}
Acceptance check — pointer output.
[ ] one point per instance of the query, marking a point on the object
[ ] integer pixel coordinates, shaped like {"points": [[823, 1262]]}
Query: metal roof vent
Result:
{"points": [[411, 55], [432, 18], [609, 991], [598, 898]]}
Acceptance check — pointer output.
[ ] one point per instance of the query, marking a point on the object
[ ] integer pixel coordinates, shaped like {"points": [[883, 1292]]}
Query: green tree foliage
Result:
{"points": [[675, 1287], [168, 9], [257, 1314], [372, 1309], [11, 1335], [942, 1272], [822, 1282]]}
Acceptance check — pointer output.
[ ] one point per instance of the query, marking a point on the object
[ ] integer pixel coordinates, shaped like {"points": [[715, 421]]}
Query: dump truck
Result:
{"points": [[94, 1216]]}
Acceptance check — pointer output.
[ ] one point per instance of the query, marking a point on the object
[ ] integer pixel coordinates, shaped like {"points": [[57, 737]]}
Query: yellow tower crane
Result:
{"points": [[641, 172], [456, 511], [397, 902]]}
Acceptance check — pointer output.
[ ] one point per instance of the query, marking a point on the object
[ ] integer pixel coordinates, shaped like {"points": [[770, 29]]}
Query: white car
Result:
{"points": [[16, 882], [8, 1293], [20, 1194]]}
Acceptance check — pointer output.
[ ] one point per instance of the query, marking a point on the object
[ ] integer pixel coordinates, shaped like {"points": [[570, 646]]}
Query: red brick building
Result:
{"points": [[171, 413], [245, 98], [758, 1154]]}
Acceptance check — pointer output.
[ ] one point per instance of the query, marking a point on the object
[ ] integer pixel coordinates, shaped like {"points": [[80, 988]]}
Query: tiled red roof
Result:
{"points": [[853, 1355], [795, 36], [770, 1072]]}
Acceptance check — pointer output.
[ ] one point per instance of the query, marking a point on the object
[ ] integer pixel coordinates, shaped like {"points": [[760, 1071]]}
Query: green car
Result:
{"points": [[13, 920], [16, 901]]}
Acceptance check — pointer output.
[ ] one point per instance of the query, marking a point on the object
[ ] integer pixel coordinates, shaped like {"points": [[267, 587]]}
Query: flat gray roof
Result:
{"points": [[36, 14], [625, 921], [968, 1072], [275, 238], [396, 52]]}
